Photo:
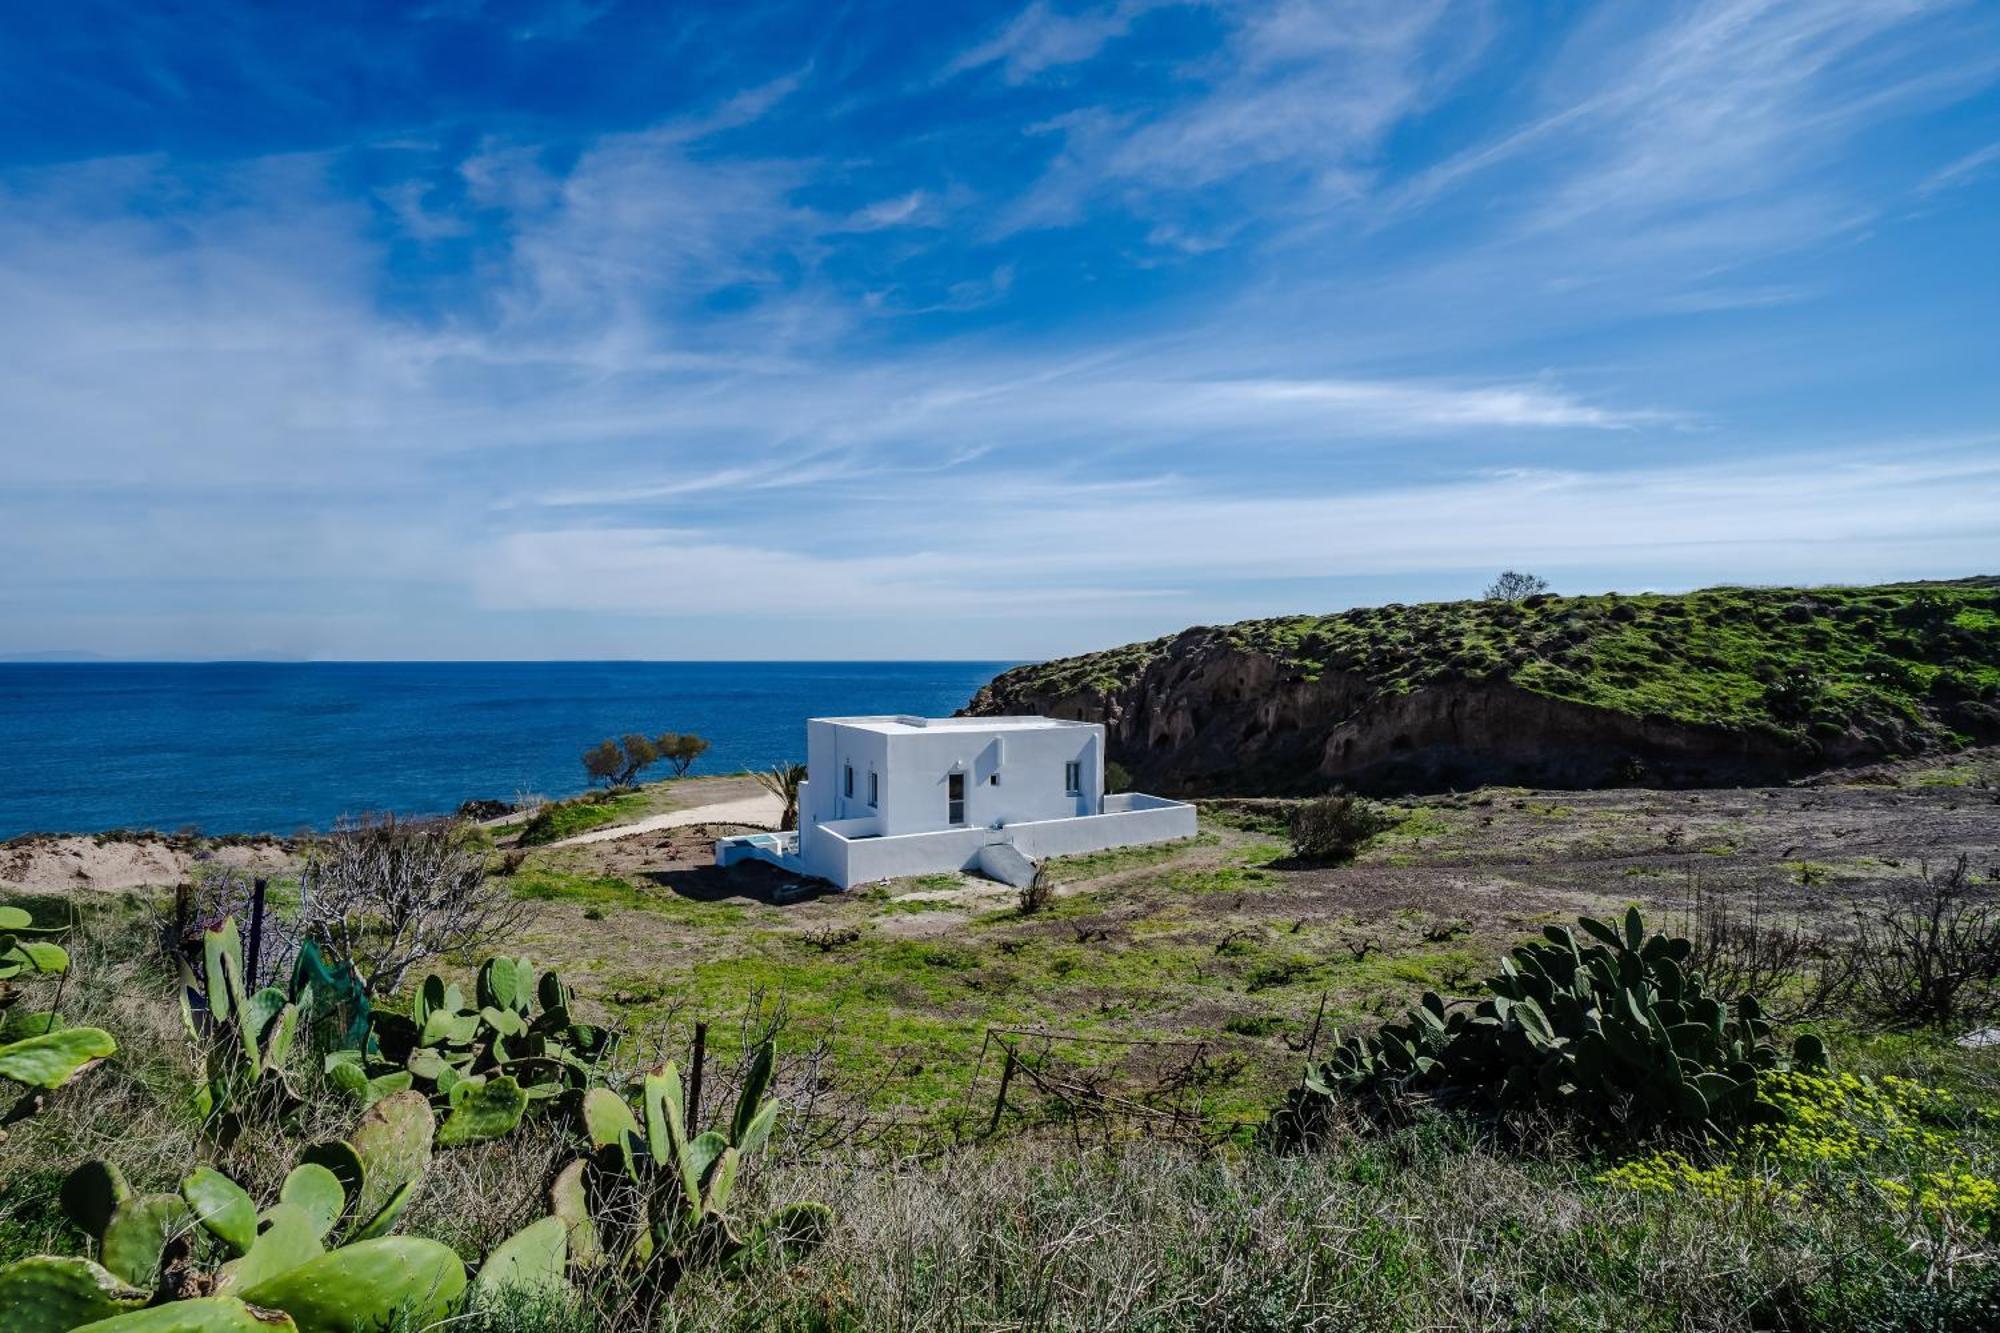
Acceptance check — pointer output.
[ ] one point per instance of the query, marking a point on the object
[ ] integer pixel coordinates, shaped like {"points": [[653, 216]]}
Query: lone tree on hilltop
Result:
{"points": [[1513, 586], [616, 762]]}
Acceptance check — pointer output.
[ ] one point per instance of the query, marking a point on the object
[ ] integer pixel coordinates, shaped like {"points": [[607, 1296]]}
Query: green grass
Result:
{"points": [[612, 893], [1889, 659], [566, 819]]}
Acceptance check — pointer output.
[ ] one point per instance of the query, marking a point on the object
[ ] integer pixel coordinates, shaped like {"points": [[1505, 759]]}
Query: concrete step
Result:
{"points": [[1000, 860]]}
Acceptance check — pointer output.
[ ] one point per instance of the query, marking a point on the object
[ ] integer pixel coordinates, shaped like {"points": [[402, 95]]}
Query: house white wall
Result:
{"points": [[1013, 769], [1015, 793]]}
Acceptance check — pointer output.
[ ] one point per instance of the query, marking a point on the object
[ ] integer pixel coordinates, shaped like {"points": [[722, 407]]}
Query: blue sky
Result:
{"points": [[520, 330]]}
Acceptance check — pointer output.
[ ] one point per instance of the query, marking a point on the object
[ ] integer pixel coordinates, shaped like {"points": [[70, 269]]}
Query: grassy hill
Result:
{"points": [[1784, 678]]}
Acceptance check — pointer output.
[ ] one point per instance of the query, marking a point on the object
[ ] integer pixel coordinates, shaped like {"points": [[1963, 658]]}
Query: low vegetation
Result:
{"points": [[1158, 1091], [1336, 828], [565, 819], [1913, 665]]}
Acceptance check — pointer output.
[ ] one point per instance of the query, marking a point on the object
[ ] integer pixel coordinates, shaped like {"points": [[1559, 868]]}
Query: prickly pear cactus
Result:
{"points": [[655, 1197], [393, 1144], [491, 1110], [245, 1037], [1617, 1032], [47, 1294], [517, 1027], [282, 1276], [367, 1286], [209, 1314]]}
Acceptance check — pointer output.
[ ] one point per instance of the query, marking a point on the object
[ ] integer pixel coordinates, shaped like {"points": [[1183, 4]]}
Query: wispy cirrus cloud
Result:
{"points": [[1139, 315], [1042, 37]]}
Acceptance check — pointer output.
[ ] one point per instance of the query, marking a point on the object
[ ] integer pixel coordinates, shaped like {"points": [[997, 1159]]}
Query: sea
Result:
{"points": [[256, 747]]}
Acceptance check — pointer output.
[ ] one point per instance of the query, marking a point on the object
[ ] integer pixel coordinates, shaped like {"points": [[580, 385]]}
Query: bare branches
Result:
{"points": [[1932, 956], [1797, 973], [389, 894]]}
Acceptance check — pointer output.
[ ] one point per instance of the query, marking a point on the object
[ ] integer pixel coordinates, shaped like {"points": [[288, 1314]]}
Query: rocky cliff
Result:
{"points": [[1726, 685]]}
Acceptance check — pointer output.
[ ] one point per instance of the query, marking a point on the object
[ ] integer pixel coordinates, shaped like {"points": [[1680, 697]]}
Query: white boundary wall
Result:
{"points": [[849, 861]]}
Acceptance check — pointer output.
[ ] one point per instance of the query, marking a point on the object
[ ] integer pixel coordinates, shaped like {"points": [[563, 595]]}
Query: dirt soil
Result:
{"points": [[44, 864]]}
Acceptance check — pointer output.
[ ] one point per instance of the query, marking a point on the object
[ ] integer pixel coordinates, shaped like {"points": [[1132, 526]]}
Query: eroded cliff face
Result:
{"points": [[1201, 716]]}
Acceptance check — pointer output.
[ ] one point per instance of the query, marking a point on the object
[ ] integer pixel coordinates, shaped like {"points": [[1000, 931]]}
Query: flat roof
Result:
{"points": [[904, 724]]}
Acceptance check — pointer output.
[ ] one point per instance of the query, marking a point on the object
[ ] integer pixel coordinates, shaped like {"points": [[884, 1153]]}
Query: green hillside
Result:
{"points": [[1889, 660]]}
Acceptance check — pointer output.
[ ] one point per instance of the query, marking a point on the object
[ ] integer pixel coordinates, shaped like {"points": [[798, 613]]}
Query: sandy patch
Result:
{"points": [[763, 811], [61, 865]]}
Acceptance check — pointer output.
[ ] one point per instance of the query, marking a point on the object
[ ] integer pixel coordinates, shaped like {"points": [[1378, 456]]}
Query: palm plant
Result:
{"points": [[783, 781]]}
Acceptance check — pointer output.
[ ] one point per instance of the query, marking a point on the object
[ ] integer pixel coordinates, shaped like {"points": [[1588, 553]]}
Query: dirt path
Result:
{"points": [[765, 810]]}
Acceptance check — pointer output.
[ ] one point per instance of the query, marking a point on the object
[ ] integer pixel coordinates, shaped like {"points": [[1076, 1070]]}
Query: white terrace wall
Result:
{"points": [[911, 768], [849, 860]]}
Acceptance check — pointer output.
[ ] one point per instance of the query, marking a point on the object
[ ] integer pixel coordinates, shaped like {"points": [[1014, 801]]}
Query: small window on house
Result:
{"points": [[1073, 778], [874, 789], [993, 781], [848, 779], [954, 798]]}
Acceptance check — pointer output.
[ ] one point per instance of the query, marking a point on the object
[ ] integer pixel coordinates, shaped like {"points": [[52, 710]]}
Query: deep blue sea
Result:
{"points": [[275, 747]]}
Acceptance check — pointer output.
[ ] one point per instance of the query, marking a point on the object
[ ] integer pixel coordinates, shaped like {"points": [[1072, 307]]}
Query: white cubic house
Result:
{"points": [[890, 796]]}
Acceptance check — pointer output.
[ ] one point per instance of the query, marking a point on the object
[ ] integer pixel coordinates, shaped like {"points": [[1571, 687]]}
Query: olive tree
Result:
{"points": [[615, 762]]}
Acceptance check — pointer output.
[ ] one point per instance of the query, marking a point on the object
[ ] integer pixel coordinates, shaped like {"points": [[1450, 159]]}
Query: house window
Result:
{"points": [[847, 777], [874, 789], [1073, 777], [954, 798]]}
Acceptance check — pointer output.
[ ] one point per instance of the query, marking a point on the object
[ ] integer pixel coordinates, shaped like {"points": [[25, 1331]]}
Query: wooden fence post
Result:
{"points": [[694, 1078], [252, 980], [1000, 1098]]}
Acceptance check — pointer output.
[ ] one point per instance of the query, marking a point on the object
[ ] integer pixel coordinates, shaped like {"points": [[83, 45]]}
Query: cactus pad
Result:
{"points": [[393, 1140], [569, 1200], [287, 1237], [50, 1295], [369, 1285], [315, 1190], [529, 1261], [221, 1206], [490, 1111], [340, 1159], [51, 1060], [138, 1231], [92, 1193]]}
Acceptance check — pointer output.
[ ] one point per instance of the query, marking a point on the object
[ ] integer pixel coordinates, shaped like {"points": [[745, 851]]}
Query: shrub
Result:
{"points": [[1618, 1035], [1932, 957], [388, 894], [1038, 892], [1336, 827], [1117, 777], [1740, 949]]}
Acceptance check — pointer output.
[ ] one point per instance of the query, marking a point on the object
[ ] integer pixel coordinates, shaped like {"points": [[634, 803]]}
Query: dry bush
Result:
{"points": [[388, 894], [1336, 827], [1798, 973], [1931, 956], [1038, 892]]}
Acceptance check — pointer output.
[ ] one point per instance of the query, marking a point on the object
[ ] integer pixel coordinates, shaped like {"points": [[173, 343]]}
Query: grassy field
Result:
{"points": [[1788, 660], [1158, 1010]]}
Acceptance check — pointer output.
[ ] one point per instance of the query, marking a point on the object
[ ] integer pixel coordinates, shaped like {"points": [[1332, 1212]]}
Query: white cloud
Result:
{"points": [[1960, 171], [967, 551], [1041, 38]]}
